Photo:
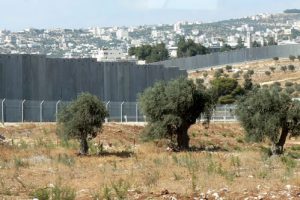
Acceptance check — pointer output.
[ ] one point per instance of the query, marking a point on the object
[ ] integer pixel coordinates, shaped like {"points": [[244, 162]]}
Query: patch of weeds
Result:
{"points": [[41, 194], [66, 159], [289, 163], [193, 134], [58, 192], [240, 140], [295, 148], [177, 177], [41, 142], [23, 144], [265, 153], [294, 154], [263, 173], [120, 188], [18, 162], [151, 178], [63, 193], [157, 161], [107, 193]]}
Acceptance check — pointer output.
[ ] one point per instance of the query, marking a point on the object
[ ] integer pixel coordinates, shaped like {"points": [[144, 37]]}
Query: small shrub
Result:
{"points": [[18, 162], [41, 194], [291, 68], [283, 68], [268, 73], [289, 90], [292, 58], [229, 68], [275, 58], [272, 69], [63, 193], [121, 188], [288, 84], [177, 177], [297, 87], [205, 74]]}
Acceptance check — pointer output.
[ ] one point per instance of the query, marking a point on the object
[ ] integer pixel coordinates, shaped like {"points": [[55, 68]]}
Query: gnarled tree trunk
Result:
{"points": [[84, 148], [183, 138], [278, 147]]}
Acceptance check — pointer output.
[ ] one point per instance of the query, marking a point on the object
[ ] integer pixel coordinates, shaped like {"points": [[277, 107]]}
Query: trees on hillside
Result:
{"points": [[269, 114], [171, 108], [226, 90], [190, 48], [150, 53], [82, 119]]}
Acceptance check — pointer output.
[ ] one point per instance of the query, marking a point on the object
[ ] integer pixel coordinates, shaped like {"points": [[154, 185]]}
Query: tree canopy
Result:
{"points": [[150, 53], [171, 108], [188, 48], [269, 114], [226, 90], [82, 119]]}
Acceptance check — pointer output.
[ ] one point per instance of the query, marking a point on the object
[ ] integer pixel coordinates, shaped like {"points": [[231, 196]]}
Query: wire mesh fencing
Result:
{"points": [[47, 111]]}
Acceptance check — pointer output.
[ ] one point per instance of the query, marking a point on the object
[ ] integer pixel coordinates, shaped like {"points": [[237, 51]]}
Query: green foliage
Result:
{"points": [[275, 58], [291, 67], [58, 192], [226, 89], [150, 53], [283, 68], [205, 74], [256, 44], [297, 87], [269, 114], [229, 68], [190, 48], [171, 108], [289, 84], [292, 58], [82, 119], [289, 90], [226, 47], [272, 69], [268, 73]]}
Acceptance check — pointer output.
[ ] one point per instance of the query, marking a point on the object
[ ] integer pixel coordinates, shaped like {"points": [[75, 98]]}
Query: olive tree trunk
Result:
{"points": [[84, 148], [278, 147], [183, 139]]}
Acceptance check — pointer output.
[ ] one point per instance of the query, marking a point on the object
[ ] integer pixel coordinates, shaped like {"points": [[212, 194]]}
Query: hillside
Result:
{"points": [[34, 162], [259, 77]]}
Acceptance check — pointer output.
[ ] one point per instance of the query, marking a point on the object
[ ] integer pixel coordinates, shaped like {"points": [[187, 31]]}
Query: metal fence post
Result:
{"points": [[136, 112], [41, 111], [2, 111], [106, 106], [225, 117], [23, 110], [122, 111], [56, 110]]}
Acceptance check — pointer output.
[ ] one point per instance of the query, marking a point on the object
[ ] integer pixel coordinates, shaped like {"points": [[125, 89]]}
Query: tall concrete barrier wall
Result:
{"points": [[36, 77], [231, 57]]}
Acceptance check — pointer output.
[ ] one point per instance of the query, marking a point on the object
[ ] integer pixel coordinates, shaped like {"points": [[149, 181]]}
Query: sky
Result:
{"points": [[20, 14]]}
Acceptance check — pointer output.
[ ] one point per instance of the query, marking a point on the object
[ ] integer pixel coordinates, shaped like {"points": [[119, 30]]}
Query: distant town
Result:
{"points": [[114, 43]]}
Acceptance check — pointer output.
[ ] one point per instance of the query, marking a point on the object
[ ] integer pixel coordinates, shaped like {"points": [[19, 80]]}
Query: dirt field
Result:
{"points": [[34, 163]]}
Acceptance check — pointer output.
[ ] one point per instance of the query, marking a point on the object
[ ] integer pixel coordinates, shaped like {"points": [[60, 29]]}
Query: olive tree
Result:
{"points": [[269, 114], [171, 108], [82, 119]]}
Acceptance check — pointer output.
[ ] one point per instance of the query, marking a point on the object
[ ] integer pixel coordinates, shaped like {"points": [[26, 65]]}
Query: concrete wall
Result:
{"points": [[35, 77], [215, 59]]}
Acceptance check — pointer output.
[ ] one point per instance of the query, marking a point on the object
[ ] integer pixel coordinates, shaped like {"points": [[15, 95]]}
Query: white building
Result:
{"points": [[122, 34], [109, 55]]}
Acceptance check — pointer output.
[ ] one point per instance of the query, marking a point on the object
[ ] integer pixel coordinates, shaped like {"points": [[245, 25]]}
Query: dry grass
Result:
{"points": [[131, 169]]}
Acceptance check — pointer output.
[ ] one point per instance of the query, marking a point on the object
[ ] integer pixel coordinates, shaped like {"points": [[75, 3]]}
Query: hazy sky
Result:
{"points": [[20, 14]]}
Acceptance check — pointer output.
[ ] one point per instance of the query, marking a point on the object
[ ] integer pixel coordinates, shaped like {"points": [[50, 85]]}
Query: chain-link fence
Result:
{"points": [[46, 111]]}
